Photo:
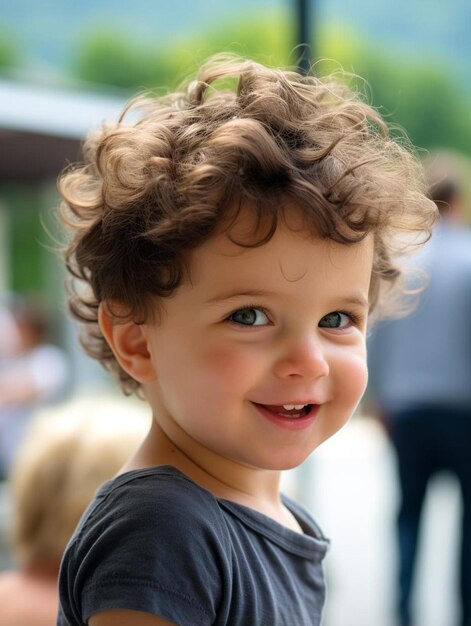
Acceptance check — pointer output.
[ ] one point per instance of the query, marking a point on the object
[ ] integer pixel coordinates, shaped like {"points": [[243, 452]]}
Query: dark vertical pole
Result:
{"points": [[303, 35]]}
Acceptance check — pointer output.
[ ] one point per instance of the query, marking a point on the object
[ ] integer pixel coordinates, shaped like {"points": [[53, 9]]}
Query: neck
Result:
{"points": [[224, 477]]}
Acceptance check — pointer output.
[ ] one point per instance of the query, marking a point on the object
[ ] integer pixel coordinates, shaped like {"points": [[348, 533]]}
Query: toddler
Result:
{"points": [[229, 242]]}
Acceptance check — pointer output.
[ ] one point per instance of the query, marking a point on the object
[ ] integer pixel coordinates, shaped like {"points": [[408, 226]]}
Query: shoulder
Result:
{"points": [[151, 540], [155, 495], [156, 510]]}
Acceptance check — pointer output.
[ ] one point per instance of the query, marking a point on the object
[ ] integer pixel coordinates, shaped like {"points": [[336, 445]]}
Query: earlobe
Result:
{"points": [[129, 345]]}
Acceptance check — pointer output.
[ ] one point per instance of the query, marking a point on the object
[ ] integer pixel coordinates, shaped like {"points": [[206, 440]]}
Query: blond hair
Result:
{"points": [[68, 453], [173, 169]]}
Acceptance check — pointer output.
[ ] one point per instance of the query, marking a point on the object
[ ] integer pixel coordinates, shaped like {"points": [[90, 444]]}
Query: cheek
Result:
{"points": [[229, 365], [350, 384], [350, 374], [220, 361], [354, 379]]}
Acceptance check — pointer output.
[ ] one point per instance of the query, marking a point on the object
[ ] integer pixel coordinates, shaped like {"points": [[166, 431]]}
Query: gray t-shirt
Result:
{"points": [[152, 540]]}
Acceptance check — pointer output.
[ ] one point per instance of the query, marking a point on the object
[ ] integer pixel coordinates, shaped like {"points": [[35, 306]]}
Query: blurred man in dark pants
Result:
{"points": [[420, 381]]}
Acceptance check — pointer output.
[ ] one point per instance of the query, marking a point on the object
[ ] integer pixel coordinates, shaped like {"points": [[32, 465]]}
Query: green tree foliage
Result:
{"points": [[110, 58], [417, 96], [8, 51], [113, 58], [26, 237]]}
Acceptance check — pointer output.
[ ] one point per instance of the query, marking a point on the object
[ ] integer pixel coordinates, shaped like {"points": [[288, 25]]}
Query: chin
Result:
{"points": [[288, 462]]}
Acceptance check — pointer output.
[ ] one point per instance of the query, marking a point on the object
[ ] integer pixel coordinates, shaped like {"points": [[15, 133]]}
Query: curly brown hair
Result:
{"points": [[170, 171]]}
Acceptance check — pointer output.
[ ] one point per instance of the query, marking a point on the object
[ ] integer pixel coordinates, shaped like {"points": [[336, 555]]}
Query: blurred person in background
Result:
{"points": [[66, 455], [9, 334], [420, 380], [33, 372]]}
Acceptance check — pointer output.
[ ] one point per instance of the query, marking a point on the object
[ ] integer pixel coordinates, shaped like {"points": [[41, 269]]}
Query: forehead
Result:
{"points": [[293, 255]]}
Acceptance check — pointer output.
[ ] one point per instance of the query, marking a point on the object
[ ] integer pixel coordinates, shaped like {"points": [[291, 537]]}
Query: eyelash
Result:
{"points": [[248, 307], [355, 319]]}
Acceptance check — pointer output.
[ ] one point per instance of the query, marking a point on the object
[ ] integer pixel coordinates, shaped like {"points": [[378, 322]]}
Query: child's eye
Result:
{"points": [[336, 320], [249, 316]]}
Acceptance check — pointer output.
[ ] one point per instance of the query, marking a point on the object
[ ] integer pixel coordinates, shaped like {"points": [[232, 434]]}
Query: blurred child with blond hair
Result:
{"points": [[66, 456]]}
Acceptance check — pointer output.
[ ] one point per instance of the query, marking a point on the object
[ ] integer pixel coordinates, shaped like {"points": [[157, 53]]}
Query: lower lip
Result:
{"points": [[290, 423]]}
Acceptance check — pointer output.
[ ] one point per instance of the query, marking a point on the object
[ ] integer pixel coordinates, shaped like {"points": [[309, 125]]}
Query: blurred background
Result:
{"points": [[66, 67]]}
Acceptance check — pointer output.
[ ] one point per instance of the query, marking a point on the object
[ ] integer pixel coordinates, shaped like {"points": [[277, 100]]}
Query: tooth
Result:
{"points": [[290, 407]]}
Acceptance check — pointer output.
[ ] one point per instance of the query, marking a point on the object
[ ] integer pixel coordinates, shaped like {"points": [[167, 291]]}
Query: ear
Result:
{"points": [[128, 343]]}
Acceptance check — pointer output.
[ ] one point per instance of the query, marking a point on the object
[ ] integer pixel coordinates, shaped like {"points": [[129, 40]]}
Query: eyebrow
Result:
{"points": [[356, 300], [353, 299], [237, 294]]}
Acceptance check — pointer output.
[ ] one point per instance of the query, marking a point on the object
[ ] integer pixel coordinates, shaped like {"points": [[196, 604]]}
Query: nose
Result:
{"points": [[303, 357]]}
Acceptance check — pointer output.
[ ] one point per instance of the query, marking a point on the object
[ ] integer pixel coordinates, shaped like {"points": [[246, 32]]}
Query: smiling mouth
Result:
{"points": [[291, 411]]}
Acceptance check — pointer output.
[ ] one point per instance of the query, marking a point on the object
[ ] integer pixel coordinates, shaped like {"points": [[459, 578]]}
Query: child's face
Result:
{"points": [[253, 329]]}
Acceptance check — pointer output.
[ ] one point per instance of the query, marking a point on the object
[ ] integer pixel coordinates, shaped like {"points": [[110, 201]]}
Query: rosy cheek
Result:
{"points": [[355, 378], [221, 363]]}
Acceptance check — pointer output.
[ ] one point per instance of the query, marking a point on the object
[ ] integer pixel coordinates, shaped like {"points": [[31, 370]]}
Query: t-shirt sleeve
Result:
{"points": [[158, 552]]}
